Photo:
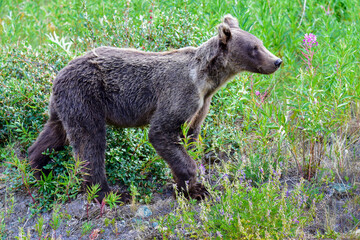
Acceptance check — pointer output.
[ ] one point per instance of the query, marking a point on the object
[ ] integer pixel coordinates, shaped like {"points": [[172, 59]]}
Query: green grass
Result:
{"points": [[306, 126], [270, 211]]}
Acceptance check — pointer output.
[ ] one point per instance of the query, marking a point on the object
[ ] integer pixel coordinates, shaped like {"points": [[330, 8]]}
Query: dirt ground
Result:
{"points": [[122, 222]]}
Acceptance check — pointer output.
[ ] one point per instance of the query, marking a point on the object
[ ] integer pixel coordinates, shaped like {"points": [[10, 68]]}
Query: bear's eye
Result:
{"points": [[255, 48]]}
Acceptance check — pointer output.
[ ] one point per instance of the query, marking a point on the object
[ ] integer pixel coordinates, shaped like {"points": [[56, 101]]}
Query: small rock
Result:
{"points": [[341, 190], [139, 221], [143, 212], [136, 220]]}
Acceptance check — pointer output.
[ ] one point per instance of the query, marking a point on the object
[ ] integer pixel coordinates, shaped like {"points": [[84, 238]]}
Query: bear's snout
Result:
{"points": [[278, 62]]}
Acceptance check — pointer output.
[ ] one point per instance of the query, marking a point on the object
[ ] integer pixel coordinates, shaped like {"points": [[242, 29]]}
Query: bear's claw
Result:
{"points": [[196, 191]]}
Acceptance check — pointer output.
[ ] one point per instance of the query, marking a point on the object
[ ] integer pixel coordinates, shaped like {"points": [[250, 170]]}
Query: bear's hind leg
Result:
{"points": [[52, 137], [87, 135]]}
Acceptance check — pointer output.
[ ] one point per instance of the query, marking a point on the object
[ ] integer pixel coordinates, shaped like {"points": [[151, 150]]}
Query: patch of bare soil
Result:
{"points": [[80, 220]]}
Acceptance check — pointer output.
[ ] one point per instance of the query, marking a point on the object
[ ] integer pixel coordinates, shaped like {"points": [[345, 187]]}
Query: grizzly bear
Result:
{"points": [[131, 88]]}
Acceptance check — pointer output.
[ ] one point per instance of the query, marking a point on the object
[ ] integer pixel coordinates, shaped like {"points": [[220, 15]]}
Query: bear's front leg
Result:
{"points": [[197, 120], [164, 136]]}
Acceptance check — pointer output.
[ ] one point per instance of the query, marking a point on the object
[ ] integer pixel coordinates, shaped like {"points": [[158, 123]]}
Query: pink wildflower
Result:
{"points": [[310, 40], [328, 10]]}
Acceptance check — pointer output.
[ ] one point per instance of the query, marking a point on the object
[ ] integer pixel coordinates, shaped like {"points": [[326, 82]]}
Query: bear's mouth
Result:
{"points": [[266, 72], [261, 70]]}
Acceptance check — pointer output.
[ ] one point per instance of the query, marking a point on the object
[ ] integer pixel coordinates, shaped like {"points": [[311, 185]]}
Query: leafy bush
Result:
{"points": [[25, 78], [131, 160]]}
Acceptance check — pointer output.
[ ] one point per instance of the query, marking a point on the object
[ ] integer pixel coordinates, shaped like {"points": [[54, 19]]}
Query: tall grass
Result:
{"points": [[302, 120]]}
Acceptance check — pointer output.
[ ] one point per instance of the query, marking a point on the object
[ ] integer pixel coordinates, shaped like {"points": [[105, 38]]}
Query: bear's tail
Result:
{"points": [[52, 137]]}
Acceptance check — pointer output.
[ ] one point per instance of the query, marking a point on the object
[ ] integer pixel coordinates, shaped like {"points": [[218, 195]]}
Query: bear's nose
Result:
{"points": [[278, 63]]}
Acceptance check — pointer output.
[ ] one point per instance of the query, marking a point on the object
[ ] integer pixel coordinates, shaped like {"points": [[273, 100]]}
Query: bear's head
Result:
{"points": [[244, 51]]}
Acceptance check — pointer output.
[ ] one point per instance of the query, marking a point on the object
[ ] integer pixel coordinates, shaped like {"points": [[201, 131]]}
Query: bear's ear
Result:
{"points": [[231, 21], [224, 33]]}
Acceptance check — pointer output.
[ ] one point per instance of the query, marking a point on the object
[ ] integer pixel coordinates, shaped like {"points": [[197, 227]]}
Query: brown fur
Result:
{"points": [[130, 88]]}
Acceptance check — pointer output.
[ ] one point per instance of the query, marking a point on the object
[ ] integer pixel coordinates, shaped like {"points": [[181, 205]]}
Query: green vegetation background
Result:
{"points": [[319, 105]]}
